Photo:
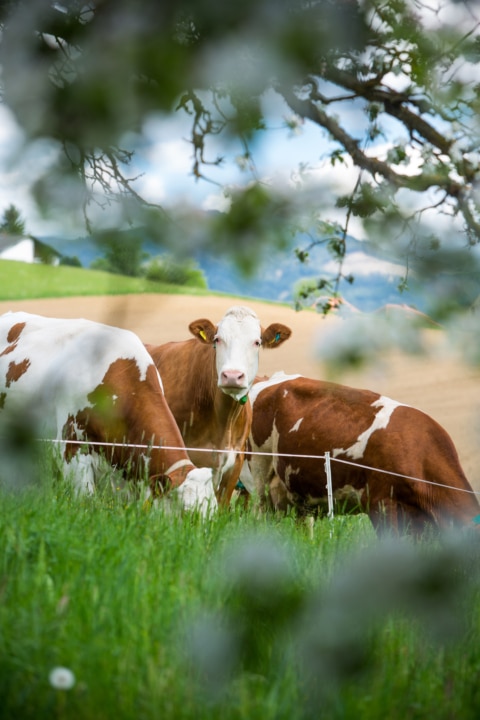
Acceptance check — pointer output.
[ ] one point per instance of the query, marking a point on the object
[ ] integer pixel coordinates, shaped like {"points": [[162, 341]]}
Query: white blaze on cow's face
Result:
{"points": [[237, 344], [237, 340]]}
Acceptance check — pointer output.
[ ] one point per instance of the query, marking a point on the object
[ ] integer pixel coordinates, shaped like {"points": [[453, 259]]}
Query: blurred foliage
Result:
{"points": [[331, 636], [123, 254], [12, 221], [70, 260], [393, 86], [167, 269], [257, 218]]}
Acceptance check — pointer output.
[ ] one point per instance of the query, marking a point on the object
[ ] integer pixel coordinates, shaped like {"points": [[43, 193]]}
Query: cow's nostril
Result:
{"points": [[235, 378]]}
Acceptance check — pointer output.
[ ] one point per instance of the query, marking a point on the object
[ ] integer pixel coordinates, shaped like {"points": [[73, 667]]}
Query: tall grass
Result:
{"points": [[244, 616]]}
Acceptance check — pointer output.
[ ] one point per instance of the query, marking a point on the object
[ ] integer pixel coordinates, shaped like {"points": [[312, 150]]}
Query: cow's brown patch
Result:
{"points": [[12, 337], [3, 396], [71, 431], [8, 349], [15, 332], [16, 370]]}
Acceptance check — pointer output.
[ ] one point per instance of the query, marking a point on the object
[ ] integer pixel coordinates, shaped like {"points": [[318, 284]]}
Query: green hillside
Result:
{"points": [[22, 281]]}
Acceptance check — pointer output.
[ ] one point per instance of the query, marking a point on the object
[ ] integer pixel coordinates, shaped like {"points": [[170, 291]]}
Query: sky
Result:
{"points": [[163, 161]]}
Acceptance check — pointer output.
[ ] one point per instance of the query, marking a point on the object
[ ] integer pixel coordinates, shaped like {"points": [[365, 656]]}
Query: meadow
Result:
{"points": [[23, 281], [158, 615], [161, 615]]}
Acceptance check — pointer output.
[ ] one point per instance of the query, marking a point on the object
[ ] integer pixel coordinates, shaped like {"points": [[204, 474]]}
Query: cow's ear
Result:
{"points": [[275, 335], [204, 330]]}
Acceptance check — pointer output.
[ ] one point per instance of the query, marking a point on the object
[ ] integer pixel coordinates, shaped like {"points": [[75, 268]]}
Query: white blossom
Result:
{"points": [[61, 678]]}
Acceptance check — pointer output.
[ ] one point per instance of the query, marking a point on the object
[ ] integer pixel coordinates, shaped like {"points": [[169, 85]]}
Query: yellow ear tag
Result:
{"points": [[202, 334]]}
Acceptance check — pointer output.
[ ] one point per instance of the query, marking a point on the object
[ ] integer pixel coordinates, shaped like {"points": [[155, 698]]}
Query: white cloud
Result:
{"points": [[11, 137], [151, 187], [362, 265], [172, 157], [21, 165], [216, 201]]}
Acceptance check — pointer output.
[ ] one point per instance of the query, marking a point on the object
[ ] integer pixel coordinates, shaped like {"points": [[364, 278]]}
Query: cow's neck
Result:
{"points": [[227, 408]]}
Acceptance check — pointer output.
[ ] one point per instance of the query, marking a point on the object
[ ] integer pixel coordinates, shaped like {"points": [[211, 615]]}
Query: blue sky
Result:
{"points": [[163, 161], [164, 158]]}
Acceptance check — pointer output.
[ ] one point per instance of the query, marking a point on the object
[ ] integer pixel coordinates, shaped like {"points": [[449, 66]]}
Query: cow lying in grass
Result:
{"points": [[207, 381], [422, 482], [77, 380]]}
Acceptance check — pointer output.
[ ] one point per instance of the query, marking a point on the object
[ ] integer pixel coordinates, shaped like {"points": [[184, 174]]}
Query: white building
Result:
{"points": [[26, 249]]}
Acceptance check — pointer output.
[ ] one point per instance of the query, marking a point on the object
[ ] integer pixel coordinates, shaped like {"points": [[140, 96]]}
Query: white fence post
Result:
{"points": [[328, 471]]}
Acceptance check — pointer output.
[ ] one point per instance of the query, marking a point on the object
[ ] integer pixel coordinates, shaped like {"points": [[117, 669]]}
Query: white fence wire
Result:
{"points": [[326, 457]]}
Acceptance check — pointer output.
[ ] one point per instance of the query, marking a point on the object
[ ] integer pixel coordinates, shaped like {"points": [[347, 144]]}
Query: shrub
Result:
{"points": [[168, 270]]}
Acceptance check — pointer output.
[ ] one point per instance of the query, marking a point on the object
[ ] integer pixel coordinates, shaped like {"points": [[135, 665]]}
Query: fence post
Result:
{"points": [[328, 471]]}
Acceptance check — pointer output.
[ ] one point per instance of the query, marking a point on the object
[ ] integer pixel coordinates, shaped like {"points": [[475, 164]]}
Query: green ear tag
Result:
{"points": [[243, 400]]}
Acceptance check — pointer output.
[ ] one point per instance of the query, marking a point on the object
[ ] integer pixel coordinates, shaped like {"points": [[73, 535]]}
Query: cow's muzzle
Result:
{"points": [[234, 379]]}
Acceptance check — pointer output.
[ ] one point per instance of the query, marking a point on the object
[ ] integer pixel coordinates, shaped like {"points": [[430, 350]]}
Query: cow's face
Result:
{"points": [[237, 340]]}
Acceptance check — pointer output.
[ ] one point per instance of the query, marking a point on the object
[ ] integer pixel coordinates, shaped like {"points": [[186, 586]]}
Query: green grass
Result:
{"points": [[243, 616], [23, 281]]}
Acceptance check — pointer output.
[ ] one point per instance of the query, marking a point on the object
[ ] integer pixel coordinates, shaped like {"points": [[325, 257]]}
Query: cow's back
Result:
{"points": [[365, 433], [52, 365], [187, 369]]}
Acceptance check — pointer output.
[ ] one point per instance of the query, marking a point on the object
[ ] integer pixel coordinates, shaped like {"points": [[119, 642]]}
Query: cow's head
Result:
{"points": [[237, 340]]}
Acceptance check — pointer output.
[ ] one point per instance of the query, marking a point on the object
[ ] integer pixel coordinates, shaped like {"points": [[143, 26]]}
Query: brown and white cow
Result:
{"points": [[71, 380], [207, 381], [364, 433]]}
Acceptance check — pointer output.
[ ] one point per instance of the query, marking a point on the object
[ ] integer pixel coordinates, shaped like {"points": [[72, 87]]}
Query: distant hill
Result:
{"points": [[376, 281]]}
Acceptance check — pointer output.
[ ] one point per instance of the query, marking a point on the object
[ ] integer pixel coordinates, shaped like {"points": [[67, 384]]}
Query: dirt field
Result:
{"points": [[446, 390]]}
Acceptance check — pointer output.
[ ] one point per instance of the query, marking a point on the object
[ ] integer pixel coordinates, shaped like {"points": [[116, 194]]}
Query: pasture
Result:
{"points": [[244, 616], [247, 615], [441, 386], [20, 280]]}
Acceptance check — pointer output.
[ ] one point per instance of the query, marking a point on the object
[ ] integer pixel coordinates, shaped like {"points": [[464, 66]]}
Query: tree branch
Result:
{"points": [[419, 183], [393, 102]]}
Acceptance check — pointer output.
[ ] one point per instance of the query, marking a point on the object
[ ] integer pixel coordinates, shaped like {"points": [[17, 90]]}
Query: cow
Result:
{"points": [[207, 381], [422, 483], [95, 390]]}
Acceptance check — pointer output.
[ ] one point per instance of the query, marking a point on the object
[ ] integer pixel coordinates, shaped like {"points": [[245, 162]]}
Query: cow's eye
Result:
{"points": [[257, 343]]}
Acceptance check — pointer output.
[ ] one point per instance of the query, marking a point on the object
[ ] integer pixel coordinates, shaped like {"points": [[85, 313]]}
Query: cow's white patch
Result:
{"points": [[275, 379], [381, 420], [289, 471], [68, 359], [237, 348], [226, 466], [81, 470], [262, 466], [295, 427], [177, 465], [246, 478], [197, 493]]}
